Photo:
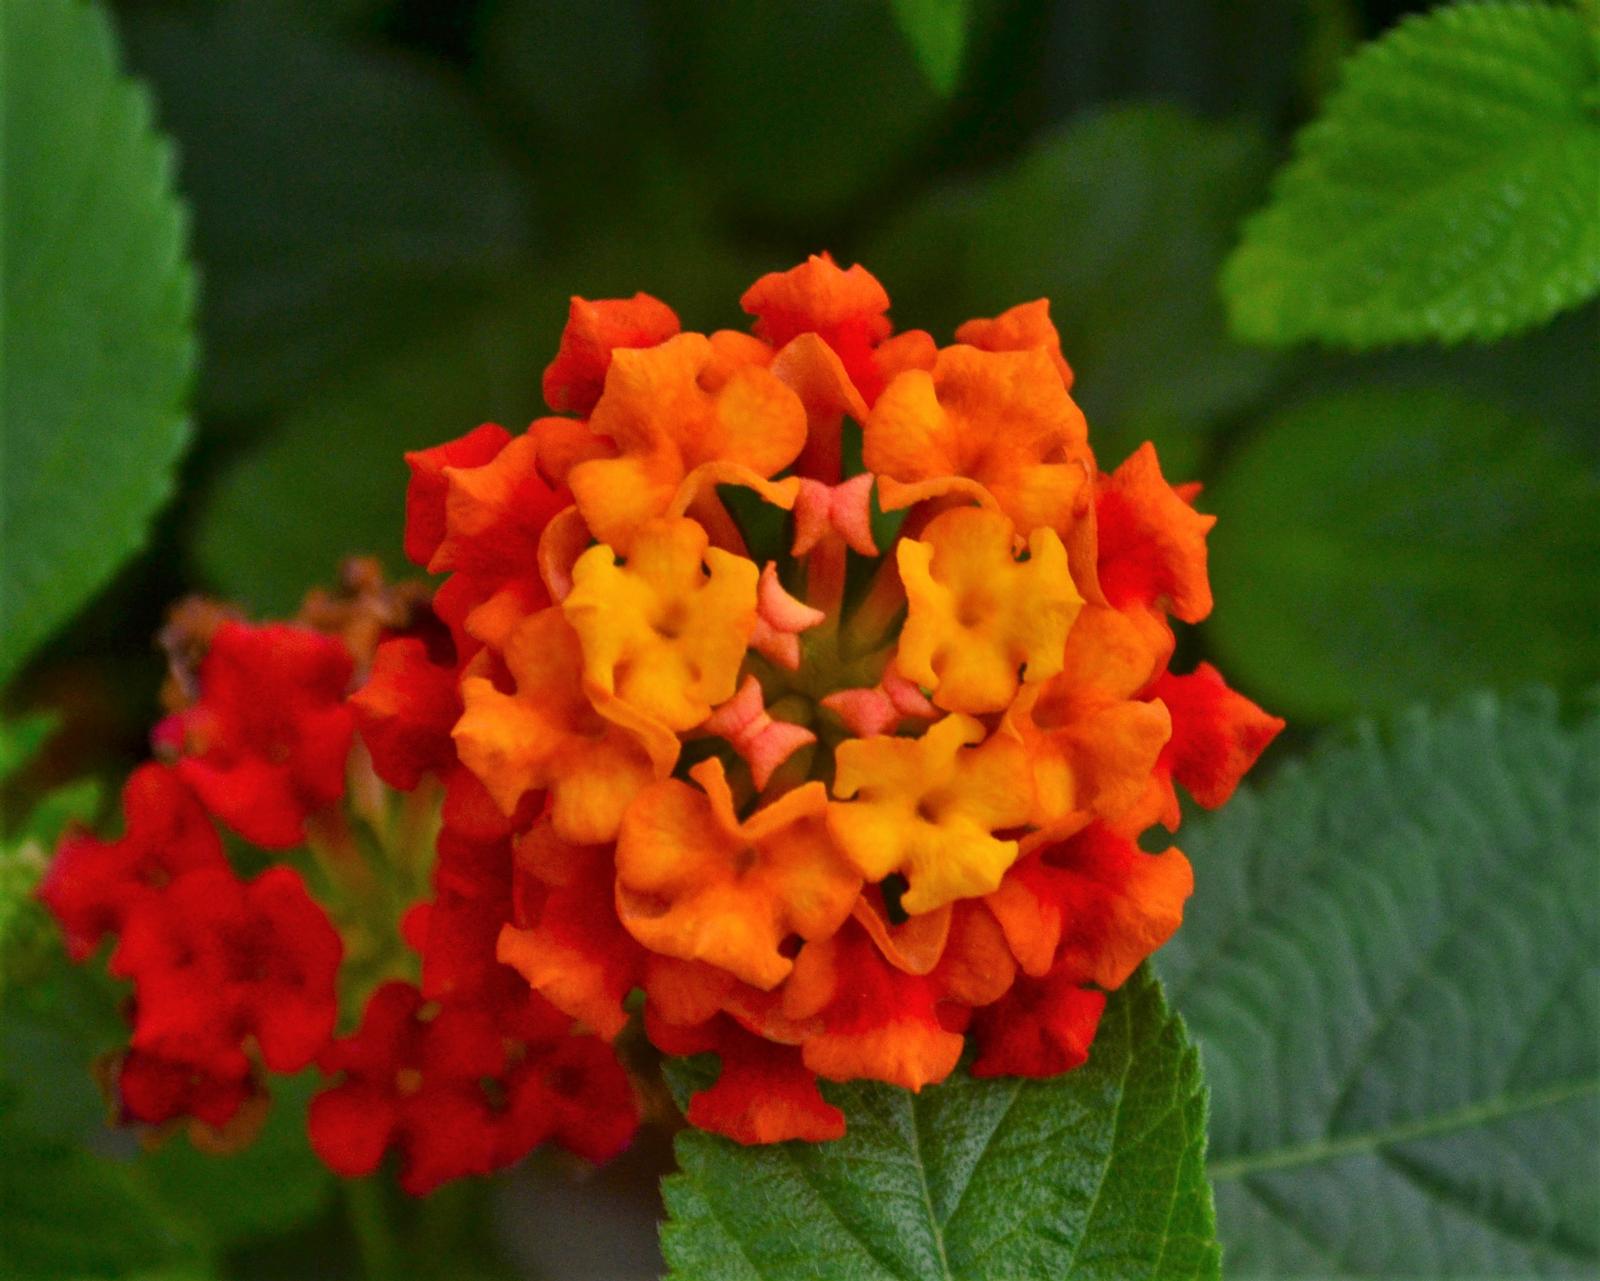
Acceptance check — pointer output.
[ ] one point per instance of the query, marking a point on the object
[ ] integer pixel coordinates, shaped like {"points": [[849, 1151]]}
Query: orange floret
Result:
{"points": [[846, 309], [696, 882], [547, 734], [1152, 542], [665, 421], [977, 615], [594, 331], [1021, 328], [1000, 419], [929, 808]]}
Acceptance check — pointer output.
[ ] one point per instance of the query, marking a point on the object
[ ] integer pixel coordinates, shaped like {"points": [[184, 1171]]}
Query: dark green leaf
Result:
{"points": [[1095, 1174], [1121, 221], [342, 198], [795, 108], [96, 305], [937, 30], [332, 481], [68, 1215], [1376, 547], [21, 740], [1447, 191], [1392, 965], [1208, 57]]}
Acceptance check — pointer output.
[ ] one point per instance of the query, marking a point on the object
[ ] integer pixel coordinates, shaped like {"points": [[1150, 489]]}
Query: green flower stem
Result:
{"points": [[371, 1227]]}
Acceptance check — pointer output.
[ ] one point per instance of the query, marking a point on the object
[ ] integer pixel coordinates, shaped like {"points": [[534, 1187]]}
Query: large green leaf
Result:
{"points": [[1392, 965], [343, 198], [96, 303], [1095, 1174], [1121, 220], [1447, 191], [1380, 546]]}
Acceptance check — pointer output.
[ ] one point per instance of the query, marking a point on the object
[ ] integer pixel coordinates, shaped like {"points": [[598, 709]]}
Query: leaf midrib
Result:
{"points": [[1332, 1148]]}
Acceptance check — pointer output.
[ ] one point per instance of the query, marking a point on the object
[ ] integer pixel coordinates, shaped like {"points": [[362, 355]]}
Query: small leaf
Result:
{"points": [[1094, 1174], [96, 304], [1121, 220], [1446, 192], [1381, 546], [937, 30], [1392, 965]]}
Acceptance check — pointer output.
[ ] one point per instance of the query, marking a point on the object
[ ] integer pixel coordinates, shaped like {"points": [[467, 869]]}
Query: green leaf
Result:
{"points": [[1446, 192], [1207, 57], [1392, 965], [96, 304], [1381, 546], [70, 1215], [272, 1186], [22, 921], [77, 802], [798, 110], [1121, 220], [331, 481], [1095, 1174], [343, 198], [22, 740], [937, 30]]}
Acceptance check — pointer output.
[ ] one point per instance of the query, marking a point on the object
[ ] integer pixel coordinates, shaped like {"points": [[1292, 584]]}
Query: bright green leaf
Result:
{"points": [[1382, 546], [1094, 1174], [1392, 965], [1121, 220], [937, 31], [343, 198], [96, 304], [331, 481], [1448, 190]]}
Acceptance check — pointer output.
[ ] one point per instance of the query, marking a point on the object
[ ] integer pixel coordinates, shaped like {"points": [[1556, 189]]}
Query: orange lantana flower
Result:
{"points": [[696, 881], [840, 795]]}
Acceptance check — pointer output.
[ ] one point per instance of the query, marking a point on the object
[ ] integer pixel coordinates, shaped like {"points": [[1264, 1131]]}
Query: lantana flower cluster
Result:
{"points": [[815, 683], [812, 682], [236, 978]]}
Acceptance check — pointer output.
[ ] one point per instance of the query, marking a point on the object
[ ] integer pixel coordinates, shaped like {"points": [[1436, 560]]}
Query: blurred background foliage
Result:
{"points": [[393, 199]]}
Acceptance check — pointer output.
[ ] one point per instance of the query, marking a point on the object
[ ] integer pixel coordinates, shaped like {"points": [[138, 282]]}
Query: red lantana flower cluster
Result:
{"points": [[236, 978]]}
